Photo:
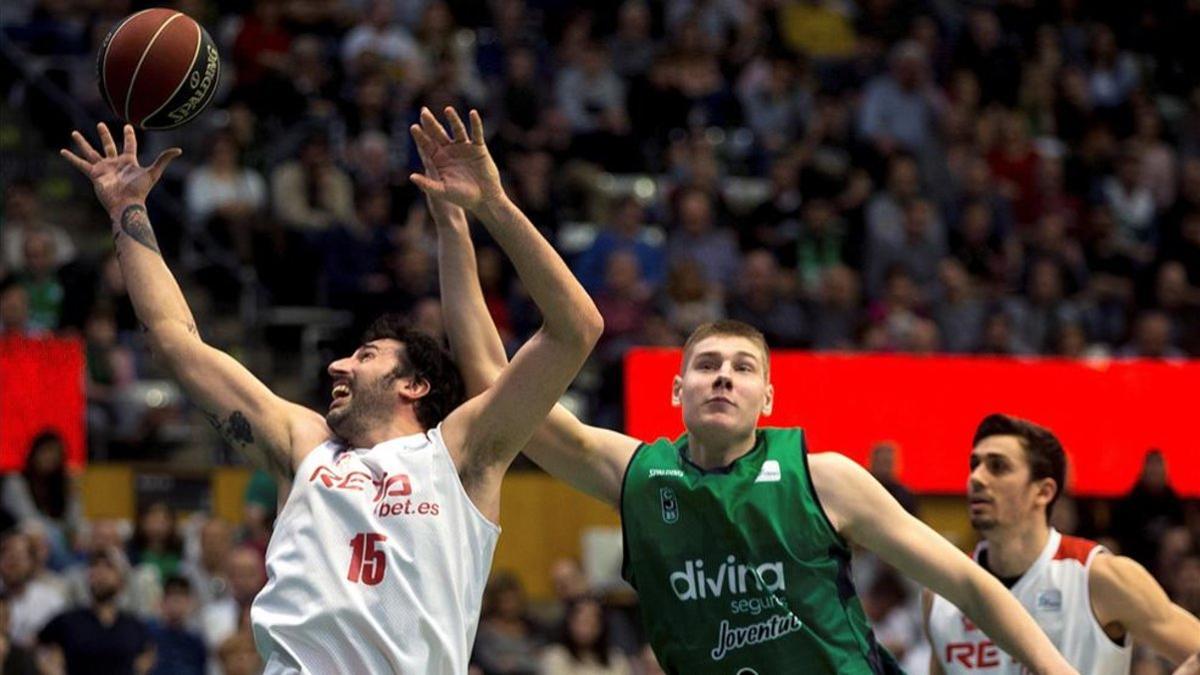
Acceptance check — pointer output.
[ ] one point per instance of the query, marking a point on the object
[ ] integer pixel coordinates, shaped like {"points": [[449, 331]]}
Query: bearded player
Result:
{"points": [[382, 550], [1091, 604], [737, 540]]}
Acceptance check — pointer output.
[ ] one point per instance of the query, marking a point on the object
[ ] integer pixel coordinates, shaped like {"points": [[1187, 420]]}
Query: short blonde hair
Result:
{"points": [[728, 328]]}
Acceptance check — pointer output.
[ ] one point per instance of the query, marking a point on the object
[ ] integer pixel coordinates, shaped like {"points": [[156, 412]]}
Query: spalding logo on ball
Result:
{"points": [[158, 69]]}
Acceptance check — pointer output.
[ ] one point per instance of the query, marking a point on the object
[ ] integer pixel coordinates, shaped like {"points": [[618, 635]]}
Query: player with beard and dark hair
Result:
{"points": [[1091, 604], [381, 552], [100, 638]]}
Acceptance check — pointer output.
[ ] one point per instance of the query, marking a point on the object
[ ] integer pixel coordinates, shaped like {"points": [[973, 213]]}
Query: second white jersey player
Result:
{"points": [[374, 544], [1055, 592]]}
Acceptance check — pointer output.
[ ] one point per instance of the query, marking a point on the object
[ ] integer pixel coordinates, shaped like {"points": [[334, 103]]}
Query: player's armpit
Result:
{"points": [[1123, 592], [250, 417]]}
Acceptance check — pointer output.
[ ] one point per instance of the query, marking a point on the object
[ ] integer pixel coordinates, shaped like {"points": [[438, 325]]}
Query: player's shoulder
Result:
{"points": [[1110, 572], [1077, 549]]}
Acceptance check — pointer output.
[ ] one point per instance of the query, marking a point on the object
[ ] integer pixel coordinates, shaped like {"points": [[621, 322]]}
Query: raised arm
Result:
{"points": [[590, 459], [249, 416], [491, 429], [1124, 593], [864, 513]]}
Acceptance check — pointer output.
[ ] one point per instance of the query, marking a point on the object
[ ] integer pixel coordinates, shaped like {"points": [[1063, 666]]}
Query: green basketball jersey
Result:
{"points": [[739, 571]]}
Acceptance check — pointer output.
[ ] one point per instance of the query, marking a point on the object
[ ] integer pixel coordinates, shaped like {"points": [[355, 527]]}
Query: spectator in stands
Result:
{"points": [[901, 108], [24, 215], [1131, 202], [821, 244], [380, 40], [583, 646], [1181, 303], [261, 46], [100, 638], [1042, 311], [353, 252], [1112, 73], [178, 650], [628, 231], [110, 371], [697, 237], [592, 97], [32, 601], [775, 101], [226, 197], [506, 643], [206, 573], [1152, 507], [14, 659], [1000, 338], [837, 312], [918, 252], [959, 311], [14, 311], [624, 302], [631, 47], [311, 193], [1152, 338], [238, 656], [40, 279], [761, 301], [156, 542], [45, 494], [225, 617]]}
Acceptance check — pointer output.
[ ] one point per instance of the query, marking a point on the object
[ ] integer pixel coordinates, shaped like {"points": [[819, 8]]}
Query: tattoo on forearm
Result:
{"points": [[136, 224]]}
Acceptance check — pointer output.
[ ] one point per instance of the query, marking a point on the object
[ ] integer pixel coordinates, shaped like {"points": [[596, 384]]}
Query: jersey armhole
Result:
{"points": [[1087, 584], [626, 571], [812, 490]]}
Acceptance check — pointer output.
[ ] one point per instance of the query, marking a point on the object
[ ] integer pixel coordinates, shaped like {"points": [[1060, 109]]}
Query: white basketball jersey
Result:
{"points": [[1055, 592], [377, 564]]}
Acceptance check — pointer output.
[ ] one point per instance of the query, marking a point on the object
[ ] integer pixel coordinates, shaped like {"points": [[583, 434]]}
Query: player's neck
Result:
{"points": [[711, 454], [1012, 551], [400, 425]]}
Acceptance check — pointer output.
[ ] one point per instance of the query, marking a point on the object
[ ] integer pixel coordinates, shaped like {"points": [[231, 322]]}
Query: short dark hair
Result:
{"points": [[1043, 451], [423, 358], [177, 584]]}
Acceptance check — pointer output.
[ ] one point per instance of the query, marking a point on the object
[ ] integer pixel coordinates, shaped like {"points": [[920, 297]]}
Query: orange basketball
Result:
{"points": [[158, 69]]}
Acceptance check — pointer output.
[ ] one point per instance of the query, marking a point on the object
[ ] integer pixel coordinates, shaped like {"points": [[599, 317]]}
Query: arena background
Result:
{"points": [[933, 210]]}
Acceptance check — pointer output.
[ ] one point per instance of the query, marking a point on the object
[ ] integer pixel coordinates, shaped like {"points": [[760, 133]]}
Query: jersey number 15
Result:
{"points": [[368, 562]]}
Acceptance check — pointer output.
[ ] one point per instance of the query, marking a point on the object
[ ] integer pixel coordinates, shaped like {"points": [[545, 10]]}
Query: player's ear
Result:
{"points": [[677, 392], [415, 388], [768, 400], [1046, 489]]}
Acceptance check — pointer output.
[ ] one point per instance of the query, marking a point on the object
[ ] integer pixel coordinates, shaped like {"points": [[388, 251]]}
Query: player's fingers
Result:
{"points": [[106, 140], [433, 128], [429, 187], [76, 161], [425, 145], [476, 127], [89, 153], [160, 164], [130, 141], [456, 125]]}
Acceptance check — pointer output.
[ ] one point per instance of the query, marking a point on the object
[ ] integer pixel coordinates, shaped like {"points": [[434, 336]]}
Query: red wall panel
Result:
{"points": [[41, 387], [1107, 414]]}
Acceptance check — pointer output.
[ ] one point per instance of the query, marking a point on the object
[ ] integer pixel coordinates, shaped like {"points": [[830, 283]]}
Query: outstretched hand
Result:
{"points": [[458, 169], [118, 179]]}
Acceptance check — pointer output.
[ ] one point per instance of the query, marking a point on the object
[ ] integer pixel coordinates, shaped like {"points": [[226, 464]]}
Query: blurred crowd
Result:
{"points": [[1013, 177], [170, 593]]}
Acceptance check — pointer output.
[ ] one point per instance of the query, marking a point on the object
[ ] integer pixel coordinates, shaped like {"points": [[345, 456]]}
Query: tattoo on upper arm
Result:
{"points": [[237, 432], [136, 224]]}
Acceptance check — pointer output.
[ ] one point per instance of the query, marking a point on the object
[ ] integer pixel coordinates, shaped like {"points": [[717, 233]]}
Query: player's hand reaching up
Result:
{"points": [[460, 168], [118, 179]]}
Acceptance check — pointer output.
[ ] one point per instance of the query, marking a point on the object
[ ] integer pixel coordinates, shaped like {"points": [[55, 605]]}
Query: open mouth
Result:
{"points": [[341, 392]]}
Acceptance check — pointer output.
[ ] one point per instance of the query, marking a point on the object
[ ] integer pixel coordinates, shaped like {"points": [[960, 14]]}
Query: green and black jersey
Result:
{"points": [[739, 571]]}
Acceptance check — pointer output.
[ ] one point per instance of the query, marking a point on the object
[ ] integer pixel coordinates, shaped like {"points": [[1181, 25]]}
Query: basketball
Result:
{"points": [[158, 69]]}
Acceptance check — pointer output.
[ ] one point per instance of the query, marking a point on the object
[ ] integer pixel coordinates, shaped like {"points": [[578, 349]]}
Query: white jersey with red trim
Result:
{"points": [[377, 564], [1054, 590]]}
